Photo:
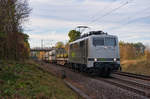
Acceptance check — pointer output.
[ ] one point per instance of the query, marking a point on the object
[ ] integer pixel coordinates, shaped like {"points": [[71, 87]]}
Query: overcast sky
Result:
{"points": [[51, 20]]}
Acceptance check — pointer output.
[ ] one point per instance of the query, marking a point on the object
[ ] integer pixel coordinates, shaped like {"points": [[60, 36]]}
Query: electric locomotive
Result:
{"points": [[95, 53]]}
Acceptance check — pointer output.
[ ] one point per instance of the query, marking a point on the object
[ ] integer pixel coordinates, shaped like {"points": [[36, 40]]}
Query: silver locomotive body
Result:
{"points": [[95, 53]]}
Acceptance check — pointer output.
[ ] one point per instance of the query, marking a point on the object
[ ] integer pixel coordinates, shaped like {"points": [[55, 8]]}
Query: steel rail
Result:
{"points": [[132, 82], [126, 87], [142, 77]]}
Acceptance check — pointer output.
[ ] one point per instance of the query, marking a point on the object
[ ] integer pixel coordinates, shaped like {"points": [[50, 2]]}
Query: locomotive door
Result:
{"points": [[86, 51]]}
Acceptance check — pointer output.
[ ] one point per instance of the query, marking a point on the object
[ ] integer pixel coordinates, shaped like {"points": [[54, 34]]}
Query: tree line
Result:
{"points": [[14, 43], [130, 51]]}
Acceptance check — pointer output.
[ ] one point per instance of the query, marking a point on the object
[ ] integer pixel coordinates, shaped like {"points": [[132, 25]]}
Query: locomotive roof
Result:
{"points": [[84, 38]]}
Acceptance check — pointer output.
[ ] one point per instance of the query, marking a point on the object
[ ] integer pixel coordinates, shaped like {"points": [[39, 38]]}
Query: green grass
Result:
{"points": [[27, 81], [136, 66]]}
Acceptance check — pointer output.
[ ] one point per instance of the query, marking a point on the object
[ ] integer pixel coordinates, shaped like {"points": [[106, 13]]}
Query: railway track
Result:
{"points": [[133, 83], [143, 77], [120, 84], [128, 81]]}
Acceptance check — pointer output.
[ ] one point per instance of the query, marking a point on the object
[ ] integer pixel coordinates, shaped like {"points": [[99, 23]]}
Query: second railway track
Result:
{"points": [[139, 84], [143, 77], [126, 86]]}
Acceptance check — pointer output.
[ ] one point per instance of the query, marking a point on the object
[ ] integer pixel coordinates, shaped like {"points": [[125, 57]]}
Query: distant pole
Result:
{"points": [[42, 47], [41, 43]]}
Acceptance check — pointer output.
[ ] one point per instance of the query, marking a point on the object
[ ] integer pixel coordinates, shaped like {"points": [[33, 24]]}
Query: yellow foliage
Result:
{"points": [[127, 51], [41, 55], [147, 55], [59, 45]]}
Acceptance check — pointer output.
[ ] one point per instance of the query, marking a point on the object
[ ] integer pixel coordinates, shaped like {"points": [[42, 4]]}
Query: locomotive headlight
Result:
{"points": [[95, 59], [115, 59]]}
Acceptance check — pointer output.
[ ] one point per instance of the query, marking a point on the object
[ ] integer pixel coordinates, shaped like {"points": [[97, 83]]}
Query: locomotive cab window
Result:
{"points": [[98, 41], [110, 41]]}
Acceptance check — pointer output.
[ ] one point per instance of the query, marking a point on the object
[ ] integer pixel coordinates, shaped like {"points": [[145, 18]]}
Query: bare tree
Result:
{"points": [[13, 13]]}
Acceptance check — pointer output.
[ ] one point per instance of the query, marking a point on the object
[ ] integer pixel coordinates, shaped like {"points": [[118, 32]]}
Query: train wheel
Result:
{"points": [[73, 67], [81, 68], [76, 67], [92, 72], [107, 72]]}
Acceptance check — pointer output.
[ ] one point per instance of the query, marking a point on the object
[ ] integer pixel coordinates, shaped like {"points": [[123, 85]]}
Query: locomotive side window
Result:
{"points": [[81, 43], [71, 46], [75, 46], [98, 41], [110, 41]]}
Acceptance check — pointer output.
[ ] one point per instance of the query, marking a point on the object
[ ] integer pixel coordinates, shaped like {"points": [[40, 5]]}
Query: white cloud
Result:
{"points": [[53, 23], [49, 36], [49, 39], [63, 15]]}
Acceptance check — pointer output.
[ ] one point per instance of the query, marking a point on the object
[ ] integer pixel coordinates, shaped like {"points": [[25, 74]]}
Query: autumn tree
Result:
{"points": [[131, 50], [59, 45], [147, 53], [67, 47], [73, 35], [14, 43], [140, 48]]}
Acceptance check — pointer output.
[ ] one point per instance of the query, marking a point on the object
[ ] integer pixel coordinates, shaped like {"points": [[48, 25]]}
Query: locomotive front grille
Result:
{"points": [[100, 65], [103, 63]]}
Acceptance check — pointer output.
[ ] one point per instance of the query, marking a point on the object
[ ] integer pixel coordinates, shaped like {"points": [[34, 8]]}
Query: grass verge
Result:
{"points": [[136, 66], [26, 81]]}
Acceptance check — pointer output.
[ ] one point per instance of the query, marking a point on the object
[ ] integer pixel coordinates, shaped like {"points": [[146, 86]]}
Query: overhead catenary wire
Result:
{"points": [[105, 7], [132, 18], [108, 13], [111, 11]]}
